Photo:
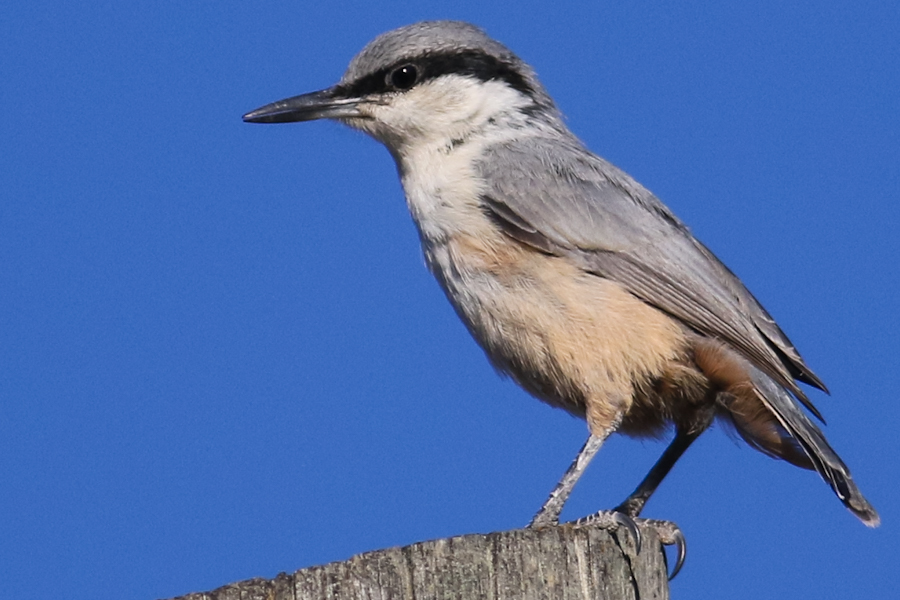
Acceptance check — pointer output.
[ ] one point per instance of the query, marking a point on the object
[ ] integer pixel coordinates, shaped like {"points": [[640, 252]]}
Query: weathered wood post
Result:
{"points": [[568, 562]]}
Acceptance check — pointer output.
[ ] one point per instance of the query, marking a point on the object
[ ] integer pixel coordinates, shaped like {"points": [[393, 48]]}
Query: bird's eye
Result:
{"points": [[404, 77]]}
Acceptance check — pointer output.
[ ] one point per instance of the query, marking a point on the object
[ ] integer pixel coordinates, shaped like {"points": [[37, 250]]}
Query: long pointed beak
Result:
{"points": [[324, 104]]}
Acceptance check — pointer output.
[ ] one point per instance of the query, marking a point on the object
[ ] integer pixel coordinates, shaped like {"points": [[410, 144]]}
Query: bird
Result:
{"points": [[576, 281]]}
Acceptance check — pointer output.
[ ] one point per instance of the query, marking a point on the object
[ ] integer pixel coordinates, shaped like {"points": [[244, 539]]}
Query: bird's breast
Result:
{"points": [[573, 339]]}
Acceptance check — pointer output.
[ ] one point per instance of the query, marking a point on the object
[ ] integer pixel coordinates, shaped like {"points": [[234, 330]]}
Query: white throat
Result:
{"points": [[446, 129]]}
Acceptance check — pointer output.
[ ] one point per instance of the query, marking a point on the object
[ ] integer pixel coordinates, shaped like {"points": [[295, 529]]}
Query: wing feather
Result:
{"points": [[560, 198]]}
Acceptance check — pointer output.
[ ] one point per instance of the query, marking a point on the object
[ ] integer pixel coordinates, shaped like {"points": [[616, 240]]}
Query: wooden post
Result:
{"points": [[568, 562]]}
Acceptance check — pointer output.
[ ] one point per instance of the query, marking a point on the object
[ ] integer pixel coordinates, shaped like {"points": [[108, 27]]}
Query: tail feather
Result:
{"points": [[785, 431], [755, 423]]}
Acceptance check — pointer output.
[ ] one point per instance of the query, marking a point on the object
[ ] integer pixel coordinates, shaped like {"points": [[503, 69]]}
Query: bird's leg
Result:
{"points": [[630, 509], [549, 513], [634, 504]]}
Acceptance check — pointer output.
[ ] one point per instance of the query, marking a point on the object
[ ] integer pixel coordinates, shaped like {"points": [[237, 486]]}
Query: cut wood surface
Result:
{"points": [[568, 562]]}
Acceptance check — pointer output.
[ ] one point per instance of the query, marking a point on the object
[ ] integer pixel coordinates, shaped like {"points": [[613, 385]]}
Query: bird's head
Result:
{"points": [[433, 81]]}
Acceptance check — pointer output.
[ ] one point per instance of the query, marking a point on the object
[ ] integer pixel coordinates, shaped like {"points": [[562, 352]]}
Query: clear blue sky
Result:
{"points": [[222, 357]]}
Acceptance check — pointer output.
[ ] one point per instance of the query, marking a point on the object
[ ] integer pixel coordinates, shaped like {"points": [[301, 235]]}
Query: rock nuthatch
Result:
{"points": [[575, 280]]}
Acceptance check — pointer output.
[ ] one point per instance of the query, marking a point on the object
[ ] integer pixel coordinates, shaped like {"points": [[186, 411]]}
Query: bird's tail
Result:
{"points": [[768, 418]]}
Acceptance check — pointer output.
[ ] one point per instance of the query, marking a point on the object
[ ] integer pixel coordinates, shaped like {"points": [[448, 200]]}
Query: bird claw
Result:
{"points": [[613, 519], [681, 544], [669, 533]]}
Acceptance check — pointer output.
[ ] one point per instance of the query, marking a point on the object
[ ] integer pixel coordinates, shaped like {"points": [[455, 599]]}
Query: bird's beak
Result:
{"points": [[324, 104]]}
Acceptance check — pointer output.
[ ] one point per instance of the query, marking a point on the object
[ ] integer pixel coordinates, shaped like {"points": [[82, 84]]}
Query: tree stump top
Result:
{"points": [[559, 563]]}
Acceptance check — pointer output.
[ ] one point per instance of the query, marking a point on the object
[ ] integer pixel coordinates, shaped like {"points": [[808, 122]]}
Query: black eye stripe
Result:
{"points": [[431, 66]]}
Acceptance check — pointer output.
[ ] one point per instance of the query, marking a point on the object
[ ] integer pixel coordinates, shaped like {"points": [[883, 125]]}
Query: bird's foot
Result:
{"points": [[669, 533]]}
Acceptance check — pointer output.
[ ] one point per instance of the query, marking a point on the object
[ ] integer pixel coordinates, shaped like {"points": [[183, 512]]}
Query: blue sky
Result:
{"points": [[222, 357]]}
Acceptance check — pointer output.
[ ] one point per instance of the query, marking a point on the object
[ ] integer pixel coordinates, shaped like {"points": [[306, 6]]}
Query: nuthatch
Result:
{"points": [[575, 280]]}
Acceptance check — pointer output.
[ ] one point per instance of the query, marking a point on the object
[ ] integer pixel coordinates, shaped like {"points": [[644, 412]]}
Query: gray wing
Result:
{"points": [[561, 199]]}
